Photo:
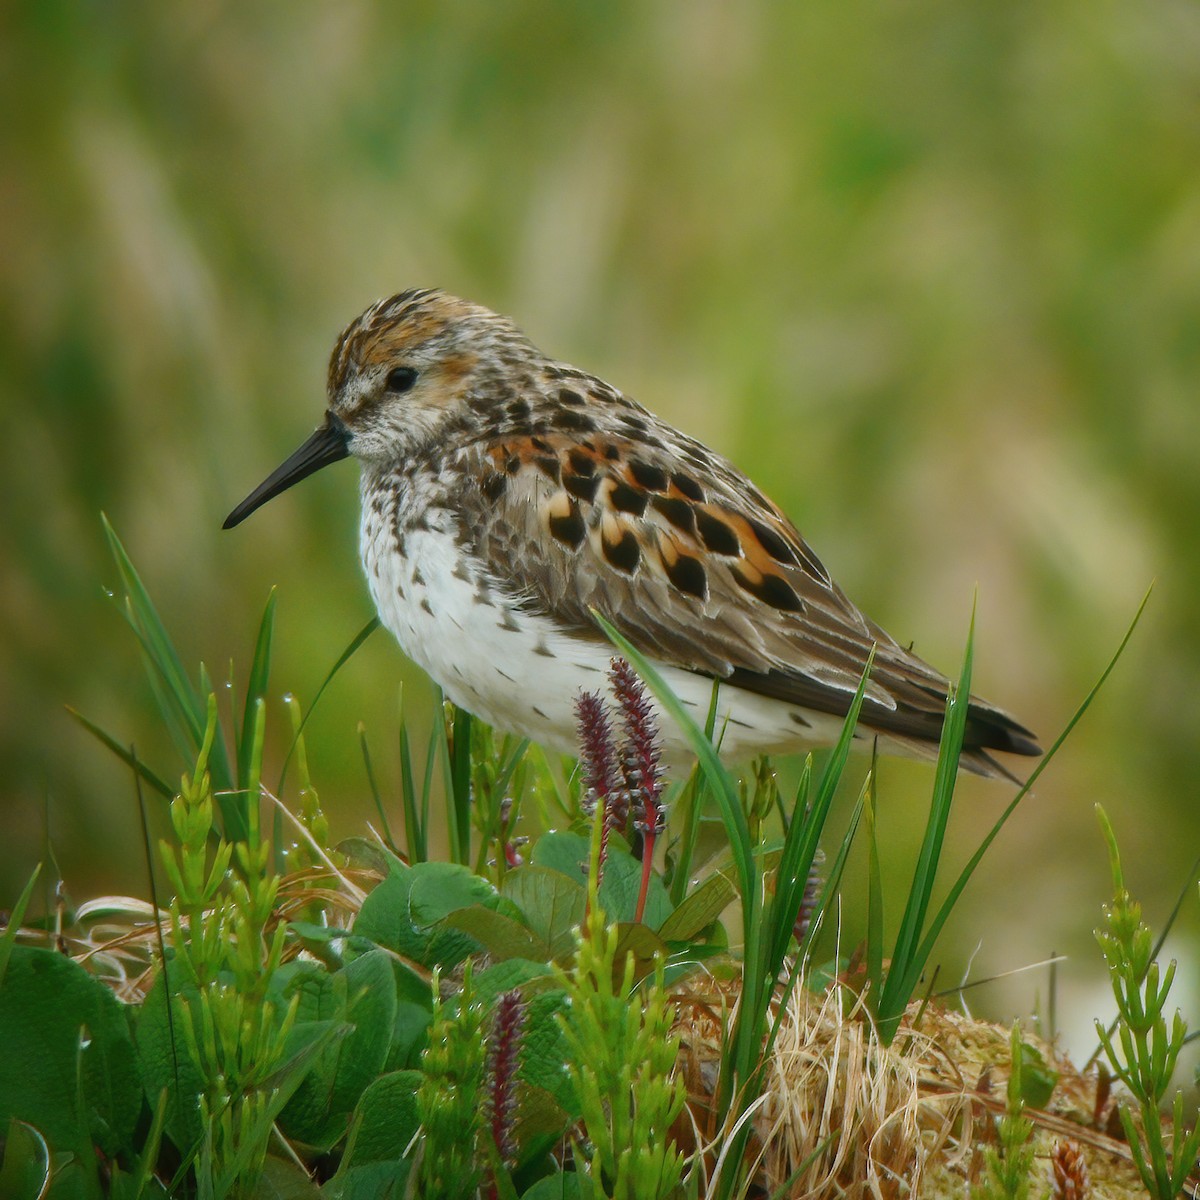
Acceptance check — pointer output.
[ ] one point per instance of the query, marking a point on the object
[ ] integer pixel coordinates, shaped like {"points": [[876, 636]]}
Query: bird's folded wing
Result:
{"points": [[699, 570]]}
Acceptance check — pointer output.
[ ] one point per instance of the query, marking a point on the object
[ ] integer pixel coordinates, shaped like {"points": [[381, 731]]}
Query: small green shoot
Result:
{"points": [[1144, 1053], [1009, 1165]]}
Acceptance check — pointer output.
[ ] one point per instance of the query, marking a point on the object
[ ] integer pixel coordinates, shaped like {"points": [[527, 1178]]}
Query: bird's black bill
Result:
{"points": [[327, 445]]}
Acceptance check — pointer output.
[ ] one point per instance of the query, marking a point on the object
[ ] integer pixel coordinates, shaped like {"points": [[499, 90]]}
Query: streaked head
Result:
{"points": [[397, 375]]}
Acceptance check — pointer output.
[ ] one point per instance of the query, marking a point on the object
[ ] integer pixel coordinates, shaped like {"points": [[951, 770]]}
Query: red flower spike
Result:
{"points": [[598, 760], [504, 1053]]}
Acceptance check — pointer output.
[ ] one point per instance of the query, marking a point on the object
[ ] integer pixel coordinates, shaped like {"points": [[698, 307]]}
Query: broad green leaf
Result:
{"points": [[385, 1122], [1038, 1078], [282, 1179], [364, 994], [440, 888], [561, 1186], [621, 882], [543, 1050], [552, 904], [68, 1066], [643, 943], [699, 910], [502, 977], [25, 1173], [163, 1057], [501, 936], [414, 1010], [404, 911]]}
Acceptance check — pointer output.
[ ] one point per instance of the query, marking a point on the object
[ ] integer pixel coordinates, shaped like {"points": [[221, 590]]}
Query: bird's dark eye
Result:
{"points": [[400, 379]]}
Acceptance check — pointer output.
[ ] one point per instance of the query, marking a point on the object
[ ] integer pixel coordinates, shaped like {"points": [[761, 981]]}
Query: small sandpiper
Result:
{"points": [[505, 496]]}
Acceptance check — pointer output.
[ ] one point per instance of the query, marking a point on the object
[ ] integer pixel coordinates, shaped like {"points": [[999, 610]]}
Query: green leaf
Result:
{"points": [[552, 904], [492, 982], [501, 936], [458, 790], [282, 1179], [544, 1050], [907, 961], [561, 1186], [439, 889], [568, 853], [404, 912], [68, 1066], [1038, 1078], [385, 1123], [964, 876], [25, 1174], [363, 993], [699, 910], [643, 943], [163, 1056]]}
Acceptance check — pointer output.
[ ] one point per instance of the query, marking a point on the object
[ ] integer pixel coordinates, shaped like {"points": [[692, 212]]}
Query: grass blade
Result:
{"points": [[804, 835], [183, 709], [459, 785], [256, 689], [414, 828], [741, 1061], [874, 900], [380, 808], [8, 939], [346, 655], [943, 913], [155, 639], [123, 753], [907, 964]]}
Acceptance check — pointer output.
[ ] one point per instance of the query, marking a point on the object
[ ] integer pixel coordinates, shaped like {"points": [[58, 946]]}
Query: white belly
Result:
{"points": [[520, 674]]}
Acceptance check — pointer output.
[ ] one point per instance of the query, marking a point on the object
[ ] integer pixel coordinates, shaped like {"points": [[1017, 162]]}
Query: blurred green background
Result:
{"points": [[929, 271]]}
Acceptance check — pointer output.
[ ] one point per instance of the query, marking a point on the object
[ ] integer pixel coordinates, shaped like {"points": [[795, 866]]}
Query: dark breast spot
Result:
{"points": [[624, 554], [687, 574], [519, 409], [627, 499], [493, 486], [582, 487], [679, 512], [571, 397], [653, 479], [688, 486], [513, 465], [611, 452], [771, 589], [540, 444], [772, 542], [569, 530], [717, 536]]}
